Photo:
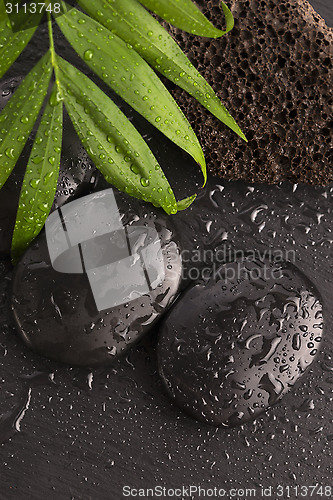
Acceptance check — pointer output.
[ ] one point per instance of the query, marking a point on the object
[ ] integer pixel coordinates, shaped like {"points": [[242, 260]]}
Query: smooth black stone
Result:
{"points": [[77, 174], [56, 314], [234, 344]]}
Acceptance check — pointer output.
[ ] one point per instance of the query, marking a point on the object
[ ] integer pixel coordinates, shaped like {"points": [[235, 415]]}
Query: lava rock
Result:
{"points": [[235, 343], [58, 314], [273, 72], [77, 175]]}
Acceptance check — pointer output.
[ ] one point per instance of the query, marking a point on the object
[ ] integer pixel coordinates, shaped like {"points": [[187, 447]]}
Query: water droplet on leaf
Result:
{"points": [[34, 183], [88, 55], [10, 153], [37, 159]]}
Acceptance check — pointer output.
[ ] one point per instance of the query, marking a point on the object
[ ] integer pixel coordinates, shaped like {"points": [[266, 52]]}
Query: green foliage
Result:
{"points": [[123, 44], [112, 143], [133, 24], [12, 44], [122, 68], [185, 15], [40, 180], [19, 115]]}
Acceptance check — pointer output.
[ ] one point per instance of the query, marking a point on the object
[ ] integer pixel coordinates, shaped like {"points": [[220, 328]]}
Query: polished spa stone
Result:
{"points": [[89, 303], [235, 343]]}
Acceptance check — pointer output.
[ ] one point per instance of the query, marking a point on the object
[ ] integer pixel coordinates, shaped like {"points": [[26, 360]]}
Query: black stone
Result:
{"points": [[234, 344], [56, 314]]}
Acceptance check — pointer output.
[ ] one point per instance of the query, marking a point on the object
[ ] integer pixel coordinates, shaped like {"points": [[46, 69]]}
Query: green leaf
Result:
{"points": [[3, 13], [20, 113], [185, 15], [12, 44], [131, 22], [112, 142], [119, 66], [186, 202], [40, 180]]}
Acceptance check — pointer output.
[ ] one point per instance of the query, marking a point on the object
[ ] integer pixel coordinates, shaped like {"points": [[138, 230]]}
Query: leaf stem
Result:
{"points": [[52, 50]]}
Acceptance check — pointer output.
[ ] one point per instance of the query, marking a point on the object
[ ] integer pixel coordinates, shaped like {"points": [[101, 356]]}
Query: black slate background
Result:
{"points": [[86, 434]]}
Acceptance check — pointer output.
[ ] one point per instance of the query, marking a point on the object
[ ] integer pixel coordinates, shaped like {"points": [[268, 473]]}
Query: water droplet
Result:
{"points": [[55, 97], [24, 119], [135, 169], [43, 207], [52, 160], [47, 177], [88, 55], [34, 183], [37, 159], [10, 153], [144, 182]]}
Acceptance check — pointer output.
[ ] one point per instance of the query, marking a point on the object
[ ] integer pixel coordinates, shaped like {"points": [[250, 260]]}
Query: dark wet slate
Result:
{"points": [[100, 429], [237, 342]]}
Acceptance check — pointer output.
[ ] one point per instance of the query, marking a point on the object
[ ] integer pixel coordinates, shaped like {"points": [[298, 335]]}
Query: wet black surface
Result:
{"points": [[90, 432], [76, 433]]}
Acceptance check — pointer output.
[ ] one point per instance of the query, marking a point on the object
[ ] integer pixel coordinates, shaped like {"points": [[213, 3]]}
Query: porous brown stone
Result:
{"points": [[273, 72]]}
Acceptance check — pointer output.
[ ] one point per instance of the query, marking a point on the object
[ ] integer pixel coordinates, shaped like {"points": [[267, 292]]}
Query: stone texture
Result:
{"points": [[273, 72]]}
